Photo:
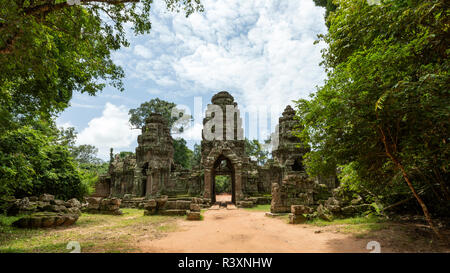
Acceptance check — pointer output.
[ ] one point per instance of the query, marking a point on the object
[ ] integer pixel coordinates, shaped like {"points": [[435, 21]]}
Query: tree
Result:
{"points": [[50, 49], [83, 154], [86, 154], [32, 162], [384, 107], [255, 150], [328, 5], [176, 118], [182, 154], [222, 184], [197, 155]]}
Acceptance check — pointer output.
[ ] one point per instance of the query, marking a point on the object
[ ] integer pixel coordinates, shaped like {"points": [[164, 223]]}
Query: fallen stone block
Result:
{"points": [[181, 204], [245, 204], [300, 209], [194, 207], [296, 219], [173, 212], [193, 215], [46, 197]]}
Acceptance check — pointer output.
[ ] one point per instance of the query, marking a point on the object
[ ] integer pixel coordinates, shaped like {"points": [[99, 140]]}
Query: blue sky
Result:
{"points": [[262, 52]]}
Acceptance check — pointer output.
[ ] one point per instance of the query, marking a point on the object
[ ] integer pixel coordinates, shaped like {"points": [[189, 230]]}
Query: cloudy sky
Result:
{"points": [[262, 52]]}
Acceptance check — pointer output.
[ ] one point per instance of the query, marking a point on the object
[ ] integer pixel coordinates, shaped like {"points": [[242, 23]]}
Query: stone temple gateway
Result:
{"points": [[151, 172], [223, 146]]}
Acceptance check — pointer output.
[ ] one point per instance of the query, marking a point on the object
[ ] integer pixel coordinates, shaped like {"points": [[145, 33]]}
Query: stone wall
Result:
{"points": [[103, 205], [294, 189], [151, 172], [44, 211], [103, 186]]}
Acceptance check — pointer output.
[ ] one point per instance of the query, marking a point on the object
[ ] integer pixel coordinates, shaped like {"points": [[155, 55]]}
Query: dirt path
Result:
{"points": [[250, 231]]}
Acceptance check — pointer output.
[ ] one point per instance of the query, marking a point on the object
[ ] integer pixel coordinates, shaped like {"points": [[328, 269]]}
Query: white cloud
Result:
{"points": [[84, 105], [110, 130], [64, 125], [142, 51], [260, 51]]}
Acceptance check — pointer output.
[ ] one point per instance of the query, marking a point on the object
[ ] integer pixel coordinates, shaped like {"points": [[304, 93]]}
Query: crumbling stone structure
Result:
{"points": [[103, 205], [44, 211], [154, 157], [150, 173], [289, 153], [295, 187], [223, 146]]}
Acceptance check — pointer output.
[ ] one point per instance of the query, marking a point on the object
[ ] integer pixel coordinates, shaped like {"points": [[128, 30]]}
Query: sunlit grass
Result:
{"points": [[260, 208], [94, 232], [358, 225]]}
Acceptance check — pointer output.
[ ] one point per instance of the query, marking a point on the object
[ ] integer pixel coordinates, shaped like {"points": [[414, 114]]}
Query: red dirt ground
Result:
{"points": [[251, 231]]}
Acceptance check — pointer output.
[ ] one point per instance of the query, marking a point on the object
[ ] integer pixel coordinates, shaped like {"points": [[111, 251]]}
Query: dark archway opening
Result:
{"points": [[298, 166], [223, 180], [144, 180]]}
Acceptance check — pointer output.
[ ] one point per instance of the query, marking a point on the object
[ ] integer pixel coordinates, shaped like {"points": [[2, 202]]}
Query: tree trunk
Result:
{"points": [[411, 187]]}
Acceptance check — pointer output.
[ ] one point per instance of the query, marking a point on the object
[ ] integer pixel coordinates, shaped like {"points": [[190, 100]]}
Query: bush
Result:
{"points": [[32, 163]]}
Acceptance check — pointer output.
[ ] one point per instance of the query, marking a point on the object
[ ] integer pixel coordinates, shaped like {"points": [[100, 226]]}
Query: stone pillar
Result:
{"points": [[208, 179], [148, 187], [238, 183]]}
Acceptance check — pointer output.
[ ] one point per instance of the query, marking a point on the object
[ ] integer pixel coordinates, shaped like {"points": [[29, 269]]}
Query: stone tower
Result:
{"points": [[288, 154], [154, 157], [223, 145]]}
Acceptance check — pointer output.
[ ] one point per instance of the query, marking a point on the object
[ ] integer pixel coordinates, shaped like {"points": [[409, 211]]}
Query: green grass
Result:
{"points": [[94, 232], [260, 208], [358, 225]]}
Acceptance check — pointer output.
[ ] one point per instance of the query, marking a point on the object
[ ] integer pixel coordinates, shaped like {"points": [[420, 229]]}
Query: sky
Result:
{"points": [[261, 52]]}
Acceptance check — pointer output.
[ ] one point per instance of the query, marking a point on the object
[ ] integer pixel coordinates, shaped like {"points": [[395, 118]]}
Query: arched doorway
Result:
{"points": [[219, 154], [223, 167]]}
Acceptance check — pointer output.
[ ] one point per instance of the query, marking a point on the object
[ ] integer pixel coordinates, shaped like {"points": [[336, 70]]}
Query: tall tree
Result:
{"points": [[384, 107], [50, 49], [329, 6], [255, 150], [83, 154], [197, 156], [182, 154], [176, 118], [32, 162]]}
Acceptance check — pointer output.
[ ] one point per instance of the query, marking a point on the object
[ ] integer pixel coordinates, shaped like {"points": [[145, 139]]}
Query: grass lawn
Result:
{"points": [[357, 225], [94, 232], [260, 208]]}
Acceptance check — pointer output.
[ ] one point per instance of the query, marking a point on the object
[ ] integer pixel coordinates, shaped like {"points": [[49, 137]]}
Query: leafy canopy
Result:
{"points": [[51, 49], [387, 90]]}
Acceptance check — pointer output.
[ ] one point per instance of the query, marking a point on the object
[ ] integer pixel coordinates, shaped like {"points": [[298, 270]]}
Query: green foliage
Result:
{"points": [[85, 154], [197, 155], [328, 5], [182, 154], [50, 49], [176, 118], [387, 71], [255, 150], [32, 163], [124, 154], [222, 184], [265, 207]]}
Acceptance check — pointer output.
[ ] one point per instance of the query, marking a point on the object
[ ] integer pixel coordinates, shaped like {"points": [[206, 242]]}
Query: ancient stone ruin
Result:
{"points": [[149, 179], [44, 211]]}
